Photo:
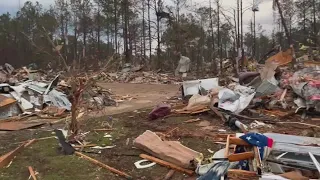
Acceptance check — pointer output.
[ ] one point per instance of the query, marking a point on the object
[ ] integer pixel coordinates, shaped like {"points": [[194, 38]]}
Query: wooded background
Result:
{"points": [[148, 32]]}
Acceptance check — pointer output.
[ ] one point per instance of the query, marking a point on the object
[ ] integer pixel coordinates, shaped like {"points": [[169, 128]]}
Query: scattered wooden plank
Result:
{"points": [[32, 173], [83, 146], [7, 158], [226, 153], [192, 120], [44, 138], [17, 125], [169, 175], [103, 129], [238, 141], [103, 165], [167, 164], [29, 142], [240, 156], [315, 119], [200, 111]]}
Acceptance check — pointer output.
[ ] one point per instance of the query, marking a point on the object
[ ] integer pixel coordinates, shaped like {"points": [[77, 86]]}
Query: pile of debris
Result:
{"points": [[24, 92], [135, 74], [263, 98]]}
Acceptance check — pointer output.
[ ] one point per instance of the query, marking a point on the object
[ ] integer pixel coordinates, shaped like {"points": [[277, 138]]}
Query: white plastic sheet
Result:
{"points": [[235, 101]]}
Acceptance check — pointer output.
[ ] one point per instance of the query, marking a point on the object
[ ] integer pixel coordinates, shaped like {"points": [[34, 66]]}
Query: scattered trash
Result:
{"points": [[107, 135], [104, 147], [159, 111], [139, 166], [66, 147]]}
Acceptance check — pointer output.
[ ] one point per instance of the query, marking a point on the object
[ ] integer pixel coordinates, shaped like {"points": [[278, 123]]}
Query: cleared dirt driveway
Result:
{"points": [[145, 95]]}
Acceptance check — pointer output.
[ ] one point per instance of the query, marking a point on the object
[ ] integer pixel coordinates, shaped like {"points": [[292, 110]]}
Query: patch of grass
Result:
{"points": [[45, 158]]}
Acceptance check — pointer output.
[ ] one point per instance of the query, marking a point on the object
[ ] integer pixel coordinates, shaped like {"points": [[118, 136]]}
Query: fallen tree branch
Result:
{"points": [[103, 165]]}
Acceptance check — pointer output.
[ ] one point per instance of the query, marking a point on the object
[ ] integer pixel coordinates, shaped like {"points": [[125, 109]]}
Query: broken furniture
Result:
{"points": [[252, 155]]}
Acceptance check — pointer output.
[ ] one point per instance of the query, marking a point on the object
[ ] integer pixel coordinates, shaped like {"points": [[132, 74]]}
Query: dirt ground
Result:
{"points": [[144, 96]]}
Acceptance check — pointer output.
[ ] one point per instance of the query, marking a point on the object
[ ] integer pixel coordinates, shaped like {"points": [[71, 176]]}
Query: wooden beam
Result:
{"points": [[167, 164], [103, 165]]}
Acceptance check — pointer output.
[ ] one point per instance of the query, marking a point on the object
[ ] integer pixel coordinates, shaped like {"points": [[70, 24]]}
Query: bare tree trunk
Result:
{"points": [[238, 39], [75, 41], [219, 48], [144, 30], [212, 56], [125, 30], [150, 38], [158, 37], [314, 23], [115, 25], [283, 22], [98, 34]]}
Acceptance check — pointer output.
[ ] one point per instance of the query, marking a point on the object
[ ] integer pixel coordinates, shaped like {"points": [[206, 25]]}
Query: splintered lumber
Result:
{"points": [[238, 141], [103, 165], [169, 175], [240, 156], [44, 138], [83, 146], [29, 142], [241, 174], [192, 120], [7, 158], [32, 173], [103, 129], [167, 164]]}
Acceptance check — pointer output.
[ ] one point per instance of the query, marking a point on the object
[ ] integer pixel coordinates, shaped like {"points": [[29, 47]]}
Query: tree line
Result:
{"points": [[149, 32]]}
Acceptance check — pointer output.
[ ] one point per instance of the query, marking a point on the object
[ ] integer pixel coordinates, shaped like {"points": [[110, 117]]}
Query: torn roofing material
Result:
{"points": [[16, 125]]}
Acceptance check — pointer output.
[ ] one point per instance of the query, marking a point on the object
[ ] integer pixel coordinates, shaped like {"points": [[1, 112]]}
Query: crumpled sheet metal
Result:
{"points": [[292, 143], [235, 101], [58, 99], [171, 151]]}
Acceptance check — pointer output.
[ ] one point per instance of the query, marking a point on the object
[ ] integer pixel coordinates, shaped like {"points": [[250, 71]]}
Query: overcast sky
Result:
{"points": [[263, 17]]}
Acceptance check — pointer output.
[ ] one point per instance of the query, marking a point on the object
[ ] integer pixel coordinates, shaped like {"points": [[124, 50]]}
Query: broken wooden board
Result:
{"points": [[16, 125], [7, 158], [167, 164], [104, 165], [4, 101], [32, 173], [281, 58]]}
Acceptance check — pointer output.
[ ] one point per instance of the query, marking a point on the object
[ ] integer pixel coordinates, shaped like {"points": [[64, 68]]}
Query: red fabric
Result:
{"points": [[160, 110]]}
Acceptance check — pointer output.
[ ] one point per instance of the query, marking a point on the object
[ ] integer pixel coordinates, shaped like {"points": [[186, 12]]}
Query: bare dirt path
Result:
{"points": [[145, 95]]}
